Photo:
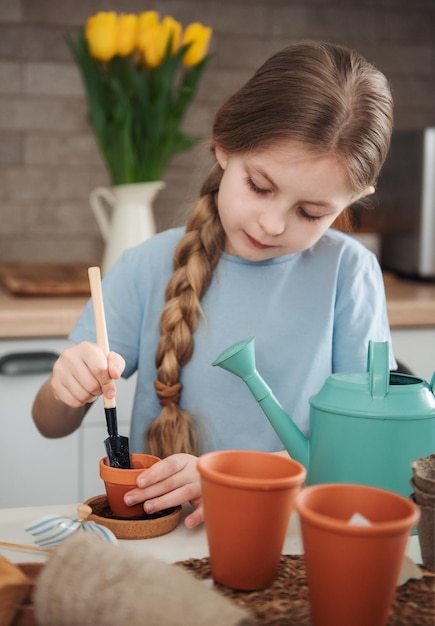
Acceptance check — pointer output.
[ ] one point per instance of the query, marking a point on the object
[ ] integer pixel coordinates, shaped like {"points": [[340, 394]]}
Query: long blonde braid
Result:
{"points": [[195, 259]]}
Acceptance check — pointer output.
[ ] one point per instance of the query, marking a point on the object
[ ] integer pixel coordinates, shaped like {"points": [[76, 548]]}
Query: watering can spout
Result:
{"points": [[239, 359]]}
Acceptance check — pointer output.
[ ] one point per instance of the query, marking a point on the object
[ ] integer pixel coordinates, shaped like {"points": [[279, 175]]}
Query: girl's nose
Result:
{"points": [[272, 222]]}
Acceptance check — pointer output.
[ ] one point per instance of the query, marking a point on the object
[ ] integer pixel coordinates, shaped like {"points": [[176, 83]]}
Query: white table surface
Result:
{"points": [[179, 545]]}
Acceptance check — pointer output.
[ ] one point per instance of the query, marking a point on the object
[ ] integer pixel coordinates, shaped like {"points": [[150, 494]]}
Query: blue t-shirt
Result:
{"points": [[312, 313]]}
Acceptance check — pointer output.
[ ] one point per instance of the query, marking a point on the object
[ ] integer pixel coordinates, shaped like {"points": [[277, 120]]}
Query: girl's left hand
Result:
{"points": [[170, 482]]}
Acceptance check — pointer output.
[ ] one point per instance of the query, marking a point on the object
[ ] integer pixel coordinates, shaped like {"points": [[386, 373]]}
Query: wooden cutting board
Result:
{"points": [[45, 279]]}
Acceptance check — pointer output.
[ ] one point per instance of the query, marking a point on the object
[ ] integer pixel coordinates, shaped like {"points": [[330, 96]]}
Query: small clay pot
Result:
{"points": [[118, 481]]}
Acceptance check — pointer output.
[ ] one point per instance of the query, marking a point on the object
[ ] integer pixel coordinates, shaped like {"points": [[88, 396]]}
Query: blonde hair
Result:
{"points": [[321, 95]]}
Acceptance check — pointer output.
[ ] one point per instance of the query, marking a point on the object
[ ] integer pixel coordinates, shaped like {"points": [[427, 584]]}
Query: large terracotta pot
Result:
{"points": [[248, 499], [353, 568]]}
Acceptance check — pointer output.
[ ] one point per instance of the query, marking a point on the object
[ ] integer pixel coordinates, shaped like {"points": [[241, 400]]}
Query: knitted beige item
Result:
{"points": [[87, 582]]}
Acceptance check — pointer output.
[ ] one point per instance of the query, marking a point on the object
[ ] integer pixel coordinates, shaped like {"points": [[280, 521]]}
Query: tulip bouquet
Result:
{"points": [[140, 73]]}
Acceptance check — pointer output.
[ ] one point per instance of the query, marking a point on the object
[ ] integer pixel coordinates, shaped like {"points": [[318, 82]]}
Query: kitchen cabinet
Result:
{"points": [[35, 470]]}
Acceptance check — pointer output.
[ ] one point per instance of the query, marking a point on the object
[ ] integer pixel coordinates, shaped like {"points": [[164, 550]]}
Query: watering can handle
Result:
{"points": [[378, 367]]}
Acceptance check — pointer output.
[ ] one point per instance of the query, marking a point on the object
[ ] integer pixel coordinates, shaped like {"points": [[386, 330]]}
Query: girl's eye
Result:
{"points": [[259, 190], [307, 216]]}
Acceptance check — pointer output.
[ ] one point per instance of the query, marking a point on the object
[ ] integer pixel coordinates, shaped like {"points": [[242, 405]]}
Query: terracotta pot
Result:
{"points": [[248, 499], [352, 571], [118, 481]]}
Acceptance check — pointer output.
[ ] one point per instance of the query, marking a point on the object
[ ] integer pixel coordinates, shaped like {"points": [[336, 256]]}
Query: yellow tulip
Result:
{"points": [[155, 46], [148, 33], [153, 37], [171, 29], [100, 33], [127, 34], [198, 36], [145, 21]]}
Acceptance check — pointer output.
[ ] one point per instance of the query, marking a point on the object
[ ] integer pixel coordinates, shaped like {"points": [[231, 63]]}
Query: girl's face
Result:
{"points": [[280, 200]]}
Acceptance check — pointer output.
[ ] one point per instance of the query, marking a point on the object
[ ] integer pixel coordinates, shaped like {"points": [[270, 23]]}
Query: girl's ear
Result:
{"points": [[221, 156]]}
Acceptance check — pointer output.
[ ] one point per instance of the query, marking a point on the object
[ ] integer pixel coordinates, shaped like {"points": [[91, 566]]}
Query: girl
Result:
{"points": [[298, 145]]}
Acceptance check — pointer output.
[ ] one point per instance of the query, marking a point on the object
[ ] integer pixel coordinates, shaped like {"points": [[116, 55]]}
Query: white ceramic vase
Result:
{"points": [[125, 216]]}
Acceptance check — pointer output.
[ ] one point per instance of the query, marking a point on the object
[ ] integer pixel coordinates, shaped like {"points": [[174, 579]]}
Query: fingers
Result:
{"points": [[113, 371], [170, 482], [83, 372], [115, 365], [195, 518], [72, 381], [166, 501], [169, 473]]}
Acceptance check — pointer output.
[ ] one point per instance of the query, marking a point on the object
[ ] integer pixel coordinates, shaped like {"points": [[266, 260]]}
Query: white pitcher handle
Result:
{"points": [[101, 198]]}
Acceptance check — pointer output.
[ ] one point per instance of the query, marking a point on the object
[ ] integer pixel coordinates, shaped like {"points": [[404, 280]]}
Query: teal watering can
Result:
{"points": [[365, 427]]}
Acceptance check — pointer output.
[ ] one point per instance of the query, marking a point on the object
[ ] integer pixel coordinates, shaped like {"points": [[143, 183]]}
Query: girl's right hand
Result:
{"points": [[83, 372]]}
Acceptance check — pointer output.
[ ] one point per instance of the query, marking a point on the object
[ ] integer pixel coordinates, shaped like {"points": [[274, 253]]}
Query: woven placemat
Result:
{"points": [[286, 602]]}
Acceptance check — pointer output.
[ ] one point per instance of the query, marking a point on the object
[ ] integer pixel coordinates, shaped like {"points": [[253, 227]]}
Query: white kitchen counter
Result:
{"points": [[179, 545]]}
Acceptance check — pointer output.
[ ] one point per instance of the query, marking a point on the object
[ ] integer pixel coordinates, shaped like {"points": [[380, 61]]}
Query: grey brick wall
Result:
{"points": [[49, 161]]}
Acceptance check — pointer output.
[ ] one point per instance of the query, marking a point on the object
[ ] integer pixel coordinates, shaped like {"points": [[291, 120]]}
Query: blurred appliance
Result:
{"points": [[406, 197]]}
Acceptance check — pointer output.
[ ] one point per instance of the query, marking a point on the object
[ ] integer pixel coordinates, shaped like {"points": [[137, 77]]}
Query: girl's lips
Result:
{"points": [[256, 243]]}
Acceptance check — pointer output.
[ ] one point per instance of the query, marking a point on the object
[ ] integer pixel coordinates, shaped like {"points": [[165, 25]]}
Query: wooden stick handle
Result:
{"points": [[23, 546], [100, 319], [97, 302]]}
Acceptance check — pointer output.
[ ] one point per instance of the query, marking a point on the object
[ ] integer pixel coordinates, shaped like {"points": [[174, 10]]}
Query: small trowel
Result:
{"points": [[117, 448]]}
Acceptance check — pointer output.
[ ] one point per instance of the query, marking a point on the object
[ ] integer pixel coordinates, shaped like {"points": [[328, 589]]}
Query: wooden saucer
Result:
{"points": [[139, 528]]}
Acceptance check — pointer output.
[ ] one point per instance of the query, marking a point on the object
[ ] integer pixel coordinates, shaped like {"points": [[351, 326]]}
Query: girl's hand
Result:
{"points": [[170, 482], [82, 373]]}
